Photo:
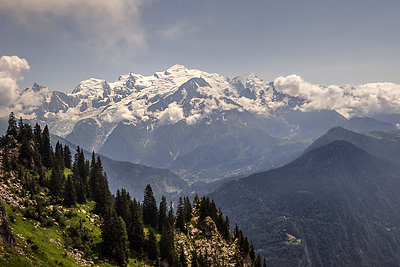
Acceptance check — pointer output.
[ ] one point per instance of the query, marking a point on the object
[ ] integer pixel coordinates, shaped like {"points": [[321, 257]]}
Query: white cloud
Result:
{"points": [[172, 114], [178, 30], [103, 24], [357, 100], [10, 72]]}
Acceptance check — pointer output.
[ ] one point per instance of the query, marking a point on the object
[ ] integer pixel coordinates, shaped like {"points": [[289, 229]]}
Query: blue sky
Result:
{"points": [[324, 42]]}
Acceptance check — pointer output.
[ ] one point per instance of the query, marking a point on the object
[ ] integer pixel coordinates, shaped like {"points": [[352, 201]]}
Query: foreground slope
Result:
{"points": [[335, 205]]}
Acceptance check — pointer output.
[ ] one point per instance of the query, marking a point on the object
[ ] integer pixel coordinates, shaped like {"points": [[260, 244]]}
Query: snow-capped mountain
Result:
{"points": [[199, 124]]}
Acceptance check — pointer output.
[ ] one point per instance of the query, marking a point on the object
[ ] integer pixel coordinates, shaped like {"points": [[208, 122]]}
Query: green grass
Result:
{"points": [[36, 243]]}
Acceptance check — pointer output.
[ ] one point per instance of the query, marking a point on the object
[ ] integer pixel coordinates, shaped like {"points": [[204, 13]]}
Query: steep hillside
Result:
{"points": [[336, 205]]}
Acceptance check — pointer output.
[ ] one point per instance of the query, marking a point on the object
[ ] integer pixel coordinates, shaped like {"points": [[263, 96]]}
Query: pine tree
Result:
{"points": [[67, 157], [46, 151], [149, 208], [115, 239], [188, 209], [252, 252], [258, 261], [69, 192], [12, 128], [265, 263], [56, 182], [59, 155], [180, 216], [136, 234], [162, 213], [153, 251], [167, 246], [171, 217], [37, 134], [121, 203]]}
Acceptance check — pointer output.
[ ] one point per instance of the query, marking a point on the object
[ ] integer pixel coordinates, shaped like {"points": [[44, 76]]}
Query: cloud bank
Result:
{"points": [[11, 68], [102, 24], [348, 100]]}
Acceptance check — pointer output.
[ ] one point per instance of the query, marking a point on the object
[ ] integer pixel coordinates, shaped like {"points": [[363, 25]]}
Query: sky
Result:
{"points": [[60, 43]]}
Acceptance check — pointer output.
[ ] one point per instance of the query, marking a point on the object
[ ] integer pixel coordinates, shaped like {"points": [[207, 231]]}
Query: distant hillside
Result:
{"points": [[378, 143], [336, 205]]}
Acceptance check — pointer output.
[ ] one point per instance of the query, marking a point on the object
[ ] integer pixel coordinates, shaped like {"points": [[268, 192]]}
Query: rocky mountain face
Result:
{"points": [[336, 205], [203, 126]]}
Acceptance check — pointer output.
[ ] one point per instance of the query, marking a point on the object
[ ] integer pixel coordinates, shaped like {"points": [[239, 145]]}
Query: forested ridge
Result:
{"points": [[62, 213]]}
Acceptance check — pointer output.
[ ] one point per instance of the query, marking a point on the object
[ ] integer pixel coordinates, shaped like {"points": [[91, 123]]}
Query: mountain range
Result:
{"points": [[335, 205], [202, 126]]}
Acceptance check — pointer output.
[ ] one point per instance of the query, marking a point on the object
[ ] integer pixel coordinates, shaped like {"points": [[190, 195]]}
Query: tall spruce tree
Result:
{"points": [[115, 239], [153, 251], [12, 128], [67, 157], [102, 195], [59, 155], [56, 182], [121, 204], [162, 213], [46, 151], [167, 246], [150, 211], [70, 192], [180, 216], [136, 234]]}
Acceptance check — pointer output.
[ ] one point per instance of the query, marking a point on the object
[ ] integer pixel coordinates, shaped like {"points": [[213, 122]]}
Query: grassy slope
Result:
{"points": [[39, 244]]}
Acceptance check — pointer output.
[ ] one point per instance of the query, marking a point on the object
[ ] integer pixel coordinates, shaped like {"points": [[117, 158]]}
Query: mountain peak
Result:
{"points": [[176, 68]]}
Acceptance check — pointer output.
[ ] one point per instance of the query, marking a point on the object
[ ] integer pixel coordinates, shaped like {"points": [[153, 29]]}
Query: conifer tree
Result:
{"points": [[115, 239], [12, 128], [56, 181], [167, 246], [252, 252], [149, 208], [153, 251], [180, 216], [162, 213], [258, 261], [37, 134], [69, 192], [59, 155], [121, 203], [136, 234], [265, 263], [67, 157], [46, 150], [188, 209], [171, 217]]}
